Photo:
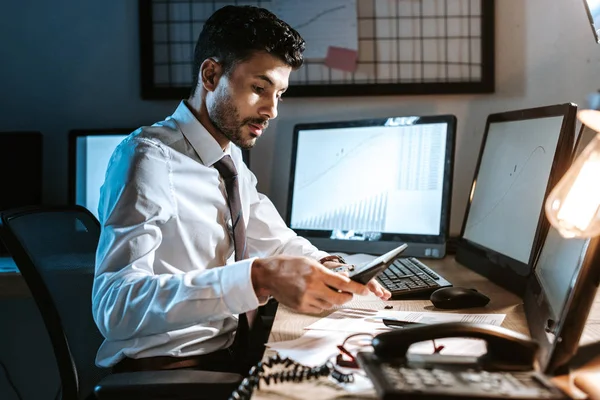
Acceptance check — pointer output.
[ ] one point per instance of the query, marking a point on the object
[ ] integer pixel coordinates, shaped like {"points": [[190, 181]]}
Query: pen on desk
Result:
{"points": [[395, 323]]}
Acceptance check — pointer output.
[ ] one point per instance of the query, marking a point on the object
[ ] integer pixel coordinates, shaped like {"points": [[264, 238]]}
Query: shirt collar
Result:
{"points": [[201, 140]]}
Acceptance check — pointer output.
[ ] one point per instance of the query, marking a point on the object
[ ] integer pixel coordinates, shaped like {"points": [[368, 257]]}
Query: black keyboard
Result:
{"points": [[409, 277]]}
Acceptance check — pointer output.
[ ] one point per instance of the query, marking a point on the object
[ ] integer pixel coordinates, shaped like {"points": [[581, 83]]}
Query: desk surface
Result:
{"points": [[289, 325]]}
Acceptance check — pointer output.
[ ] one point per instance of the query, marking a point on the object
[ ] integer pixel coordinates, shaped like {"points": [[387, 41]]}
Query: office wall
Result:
{"points": [[544, 55], [70, 64], [76, 65]]}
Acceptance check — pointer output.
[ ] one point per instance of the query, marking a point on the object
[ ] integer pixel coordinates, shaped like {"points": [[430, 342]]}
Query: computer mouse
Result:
{"points": [[454, 297]]}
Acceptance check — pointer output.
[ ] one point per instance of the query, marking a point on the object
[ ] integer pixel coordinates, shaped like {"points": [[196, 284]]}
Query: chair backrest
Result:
{"points": [[54, 248]]}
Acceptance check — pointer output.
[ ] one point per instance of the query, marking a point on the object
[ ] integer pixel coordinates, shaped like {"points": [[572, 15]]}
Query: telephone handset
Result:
{"points": [[506, 350], [507, 370]]}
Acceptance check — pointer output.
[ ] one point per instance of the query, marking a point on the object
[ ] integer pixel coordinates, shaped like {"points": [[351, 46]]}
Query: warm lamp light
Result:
{"points": [[573, 206]]}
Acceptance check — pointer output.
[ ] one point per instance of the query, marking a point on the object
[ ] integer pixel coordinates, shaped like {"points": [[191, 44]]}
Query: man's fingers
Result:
{"points": [[343, 283], [379, 290], [335, 297], [375, 287], [332, 264]]}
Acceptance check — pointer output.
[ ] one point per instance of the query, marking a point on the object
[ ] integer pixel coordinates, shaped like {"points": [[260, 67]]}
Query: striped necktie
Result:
{"points": [[229, 174]]}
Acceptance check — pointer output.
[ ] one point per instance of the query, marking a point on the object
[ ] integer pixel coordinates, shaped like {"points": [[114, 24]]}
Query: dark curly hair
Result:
{"points": [[233, 34]]}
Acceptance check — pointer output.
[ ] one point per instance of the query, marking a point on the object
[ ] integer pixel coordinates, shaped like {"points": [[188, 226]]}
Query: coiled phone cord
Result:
{"points": [[292, 372]]}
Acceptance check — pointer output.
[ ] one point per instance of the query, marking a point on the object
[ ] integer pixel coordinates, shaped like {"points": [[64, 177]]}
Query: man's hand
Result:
{"points": [[302, 284], [373, 285], [379, 290]]}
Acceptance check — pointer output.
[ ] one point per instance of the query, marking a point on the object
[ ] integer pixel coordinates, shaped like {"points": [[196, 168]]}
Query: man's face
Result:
{"points": [[246, 99]]}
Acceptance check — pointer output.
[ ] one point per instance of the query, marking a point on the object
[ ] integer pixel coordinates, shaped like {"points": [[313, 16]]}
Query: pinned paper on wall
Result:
{"points": [[342, 59], [428, 45]]}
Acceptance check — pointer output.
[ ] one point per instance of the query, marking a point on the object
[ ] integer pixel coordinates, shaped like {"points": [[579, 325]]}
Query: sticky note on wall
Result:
{"points": [[341, 58]]}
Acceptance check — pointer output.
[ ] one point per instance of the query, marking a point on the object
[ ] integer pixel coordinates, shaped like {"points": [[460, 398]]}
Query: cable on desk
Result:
{"points": [[292, 372]]}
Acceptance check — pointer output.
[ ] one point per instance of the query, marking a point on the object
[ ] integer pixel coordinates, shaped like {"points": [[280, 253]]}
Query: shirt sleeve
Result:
{"points": [[131, 300], [268, 234]]}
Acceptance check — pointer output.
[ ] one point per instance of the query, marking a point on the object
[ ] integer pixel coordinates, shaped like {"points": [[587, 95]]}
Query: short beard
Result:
{"points": [[226, 118]]}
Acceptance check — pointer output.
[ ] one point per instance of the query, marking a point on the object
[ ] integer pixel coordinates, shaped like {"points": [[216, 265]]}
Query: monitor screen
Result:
{"points": [[511, 183], [366, 186], [561, 290], [522, 154], [558, 261], [89, 153]]}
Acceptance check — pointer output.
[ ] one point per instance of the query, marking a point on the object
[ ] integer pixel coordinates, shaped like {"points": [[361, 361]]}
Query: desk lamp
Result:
{"points": [[573, 206]]}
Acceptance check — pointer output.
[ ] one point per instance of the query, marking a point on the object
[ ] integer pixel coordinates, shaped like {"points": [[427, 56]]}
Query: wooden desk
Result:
{"points": [[289, 325]]}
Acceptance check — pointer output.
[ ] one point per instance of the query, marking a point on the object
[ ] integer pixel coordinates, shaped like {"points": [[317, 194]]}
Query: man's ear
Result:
{"points": [[210, 72]]}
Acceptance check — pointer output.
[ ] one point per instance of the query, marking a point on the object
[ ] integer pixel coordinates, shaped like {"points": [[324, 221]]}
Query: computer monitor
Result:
{"points": [[366, 186], [523, 155], [89, 153], [561, 291]]}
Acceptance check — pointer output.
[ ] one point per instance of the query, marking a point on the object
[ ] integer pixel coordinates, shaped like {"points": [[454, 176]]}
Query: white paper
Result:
{"points": [[314, 348], [321, 23], [451, 347], [364, 320]]}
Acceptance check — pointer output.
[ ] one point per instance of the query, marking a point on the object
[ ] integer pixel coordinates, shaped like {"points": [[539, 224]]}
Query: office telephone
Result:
{"points": [[506, 370]]}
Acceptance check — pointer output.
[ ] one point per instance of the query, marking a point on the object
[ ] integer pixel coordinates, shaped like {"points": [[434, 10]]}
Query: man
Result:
{"points": [[167, 291]]}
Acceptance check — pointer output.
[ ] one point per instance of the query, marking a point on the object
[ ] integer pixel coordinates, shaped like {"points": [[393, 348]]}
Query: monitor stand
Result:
{"points": [[420, 250]]}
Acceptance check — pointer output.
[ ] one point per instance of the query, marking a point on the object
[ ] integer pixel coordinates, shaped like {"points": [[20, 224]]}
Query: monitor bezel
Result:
{"points": [[388, 240], [554, 357], [501, 269], [74, 134]]}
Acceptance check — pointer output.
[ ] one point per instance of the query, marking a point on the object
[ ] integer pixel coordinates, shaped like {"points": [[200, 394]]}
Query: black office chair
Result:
{"points": [[54, 248]]}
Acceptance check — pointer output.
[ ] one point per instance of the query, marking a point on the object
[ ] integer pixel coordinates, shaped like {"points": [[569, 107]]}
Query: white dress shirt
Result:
{"points": [[166, 282]]}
